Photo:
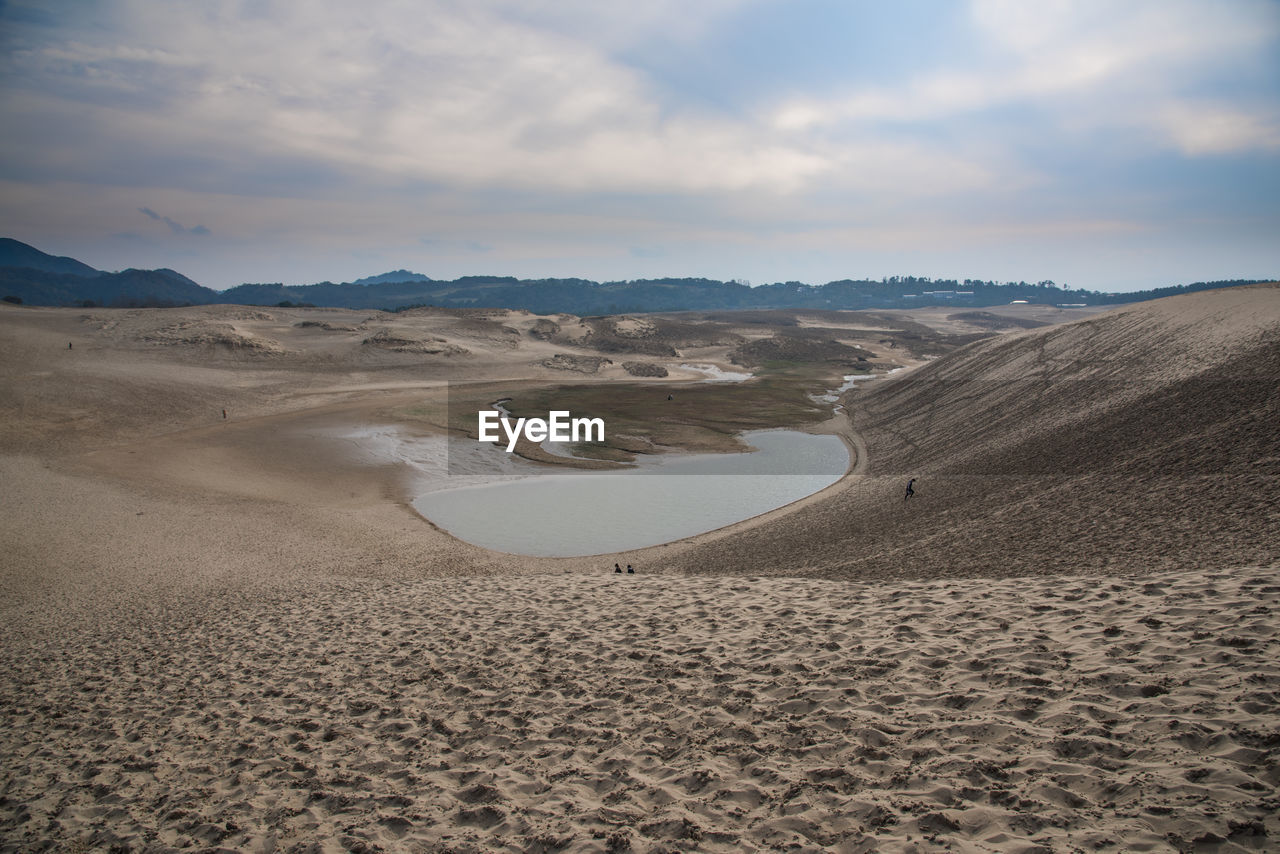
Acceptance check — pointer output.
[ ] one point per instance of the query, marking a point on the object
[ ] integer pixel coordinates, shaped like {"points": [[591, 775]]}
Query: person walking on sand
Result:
{"points": [[910, 489]]}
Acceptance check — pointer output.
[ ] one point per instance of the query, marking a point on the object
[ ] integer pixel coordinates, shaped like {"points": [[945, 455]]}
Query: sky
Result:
{"points": [[1110, 145]]}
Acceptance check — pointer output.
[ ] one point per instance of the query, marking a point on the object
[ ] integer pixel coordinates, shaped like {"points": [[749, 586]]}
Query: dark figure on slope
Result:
{"points": [[910, 489]]}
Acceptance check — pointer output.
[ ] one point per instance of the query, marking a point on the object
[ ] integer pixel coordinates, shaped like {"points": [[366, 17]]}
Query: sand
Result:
{"points": [[602, 712], [1137, 440], [235, 634]]}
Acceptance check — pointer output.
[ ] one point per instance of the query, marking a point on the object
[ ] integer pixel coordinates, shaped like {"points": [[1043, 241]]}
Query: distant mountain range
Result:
{"points": [[36, 278], [393, 277], [31, 277]]}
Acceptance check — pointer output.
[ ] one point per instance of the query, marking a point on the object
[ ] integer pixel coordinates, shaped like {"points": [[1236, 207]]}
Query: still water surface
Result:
{"points": [[667, 498]]}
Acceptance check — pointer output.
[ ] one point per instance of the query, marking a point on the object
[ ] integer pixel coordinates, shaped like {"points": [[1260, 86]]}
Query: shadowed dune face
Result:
{"points": [[1091, 395], [1138, 439]]}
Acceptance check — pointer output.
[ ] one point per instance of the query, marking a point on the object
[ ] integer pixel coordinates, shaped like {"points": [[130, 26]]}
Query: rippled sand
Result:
{"points": [[603, 712]]}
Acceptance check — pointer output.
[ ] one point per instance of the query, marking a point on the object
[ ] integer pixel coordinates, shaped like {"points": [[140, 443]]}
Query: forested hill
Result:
{"points": [[15, 253], [584, 297], [29, 276]]}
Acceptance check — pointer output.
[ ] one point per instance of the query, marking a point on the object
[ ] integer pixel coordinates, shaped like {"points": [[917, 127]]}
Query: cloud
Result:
{"points": [[455, 246], [1087, 64], [488, 94], [565, 133], [471, 94], [175, 227], [1210, 128]]}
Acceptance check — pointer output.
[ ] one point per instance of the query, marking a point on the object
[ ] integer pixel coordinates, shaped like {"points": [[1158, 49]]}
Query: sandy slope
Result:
{"points": [[1139, 439], [604, 712], [232, 633]]}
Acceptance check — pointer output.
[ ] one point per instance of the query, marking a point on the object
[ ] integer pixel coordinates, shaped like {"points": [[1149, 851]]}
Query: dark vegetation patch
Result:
{"points": [[544, 329], [579, 364], [793, 348], [325, 325], [995, 322], [487, 329], [384, 339], [684, 333], [650, 335], [619, 344], [644, 369], [777, 317]]}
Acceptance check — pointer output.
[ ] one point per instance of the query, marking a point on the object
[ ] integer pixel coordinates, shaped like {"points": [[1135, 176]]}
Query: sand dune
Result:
{"points": [[234, 634], [594, 713], [1140, 439]]}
